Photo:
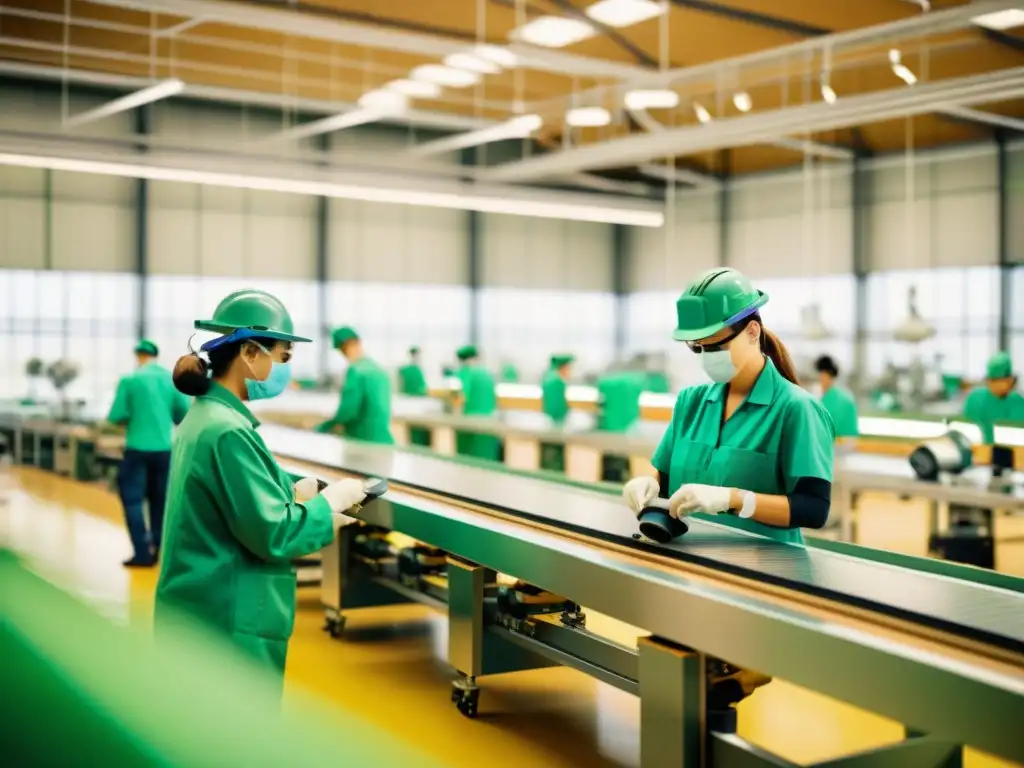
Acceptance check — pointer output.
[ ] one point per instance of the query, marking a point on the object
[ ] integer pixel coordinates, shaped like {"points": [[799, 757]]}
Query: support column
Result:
{"points": [[672, 705], [142, 128], [724, 206], [321, 244], [620, 278], [1003, 238], [859, 234], [474, 233]]}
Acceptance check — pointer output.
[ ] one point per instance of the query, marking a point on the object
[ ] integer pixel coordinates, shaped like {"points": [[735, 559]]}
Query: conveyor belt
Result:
{"points": [[972, 611]]}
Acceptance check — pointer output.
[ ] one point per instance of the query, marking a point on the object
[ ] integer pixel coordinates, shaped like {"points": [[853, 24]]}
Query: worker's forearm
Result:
{"points": [[770, 509]]}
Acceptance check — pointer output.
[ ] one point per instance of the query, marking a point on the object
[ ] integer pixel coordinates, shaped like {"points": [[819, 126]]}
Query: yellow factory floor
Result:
{"points": [[390, 666]]}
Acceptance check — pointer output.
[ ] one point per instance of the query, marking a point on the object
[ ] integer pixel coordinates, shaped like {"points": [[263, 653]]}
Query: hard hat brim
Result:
{"points": [[210, 325], [696, 334]]}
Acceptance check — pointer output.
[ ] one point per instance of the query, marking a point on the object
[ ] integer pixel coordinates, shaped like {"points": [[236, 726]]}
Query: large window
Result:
{"points": [[89, 318], [961, 303], [526, 326], [390, 318]]}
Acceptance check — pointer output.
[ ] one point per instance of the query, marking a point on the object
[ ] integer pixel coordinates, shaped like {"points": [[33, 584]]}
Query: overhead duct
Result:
{"points": [[768, 126], [334, 182]]}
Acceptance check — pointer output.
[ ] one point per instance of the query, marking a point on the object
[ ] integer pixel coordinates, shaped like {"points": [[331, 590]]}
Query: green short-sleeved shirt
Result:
{"points": [[986, 410], [842, 407], [149, 406], [553, 398], [778, 435]]}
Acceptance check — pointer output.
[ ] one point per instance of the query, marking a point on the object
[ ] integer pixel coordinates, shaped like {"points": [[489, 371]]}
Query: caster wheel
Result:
{"points": [[466, 697], [335, 627]]}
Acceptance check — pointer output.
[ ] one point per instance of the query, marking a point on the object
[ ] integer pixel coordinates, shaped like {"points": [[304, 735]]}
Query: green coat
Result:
{"points": [[986, 410], [364, 411], [411, 381], [149, 405], [553, 399], [231, 530], [480, 398], [842, 407], [619, 394]]}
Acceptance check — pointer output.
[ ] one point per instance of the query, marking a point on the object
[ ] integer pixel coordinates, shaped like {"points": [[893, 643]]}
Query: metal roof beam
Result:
{"points": [[985, 118], [753, 17]]}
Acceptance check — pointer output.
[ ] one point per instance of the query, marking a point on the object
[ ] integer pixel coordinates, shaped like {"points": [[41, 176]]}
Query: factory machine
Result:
{"points": [[941, 650]]}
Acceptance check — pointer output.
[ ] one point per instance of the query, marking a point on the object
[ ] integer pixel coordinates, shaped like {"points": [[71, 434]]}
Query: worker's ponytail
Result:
{"points": [[191, 375], [773, 347]]}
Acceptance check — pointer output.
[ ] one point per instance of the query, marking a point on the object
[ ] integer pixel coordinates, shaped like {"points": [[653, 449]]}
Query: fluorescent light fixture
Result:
{"points": [[327, 125], [386, 102], [161, 90], [701, 112], [517, 128], [449, 77], [415, 89], [904, 74], [471, 63], [828, 93], [509, 200], [623, 13], [1001, 20], [895, 57], [588, 117], [652, 99], [742, 101], [503, 57], [554, 31]]}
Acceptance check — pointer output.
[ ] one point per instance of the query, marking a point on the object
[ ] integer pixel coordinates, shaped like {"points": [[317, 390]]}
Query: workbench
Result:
{"points": [[940, 652]]}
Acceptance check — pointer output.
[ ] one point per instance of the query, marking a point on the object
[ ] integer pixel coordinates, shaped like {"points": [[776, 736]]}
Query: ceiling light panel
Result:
{"points": [[1001, 20], [742, 101], [624, 13], [415, 89], [503, 57], [554, 31], [651, 99], [588, 117], [828, 93], [449, 77], [702, 113], [383, 101], [471, 63]]}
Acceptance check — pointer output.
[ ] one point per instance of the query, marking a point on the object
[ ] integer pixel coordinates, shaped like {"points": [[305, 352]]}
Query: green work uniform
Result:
{"points": [[658, 382], [842, 407], [364, 411], [147, 402], [986, 410], [232, 529], [509, 374], [480, 398], [555, 405], [619, 396], [778, 435], [413, 383]]}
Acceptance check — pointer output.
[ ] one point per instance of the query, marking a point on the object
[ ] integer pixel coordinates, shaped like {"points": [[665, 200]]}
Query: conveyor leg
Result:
{"points": [[672, 705]]}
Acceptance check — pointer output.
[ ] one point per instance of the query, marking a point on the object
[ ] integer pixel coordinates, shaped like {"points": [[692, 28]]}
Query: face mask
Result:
{"points": [[273, 385], [718, 365]]}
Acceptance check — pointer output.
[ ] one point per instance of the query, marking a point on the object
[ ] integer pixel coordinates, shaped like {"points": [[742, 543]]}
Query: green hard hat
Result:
{"points": [[147, 347], [340, 335], [557, 361], [414, 350], [716, 299], [253, 310], [466, 352], [1000, 366]]}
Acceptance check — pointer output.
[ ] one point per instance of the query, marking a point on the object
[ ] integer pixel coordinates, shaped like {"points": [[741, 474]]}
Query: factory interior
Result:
{"points": [[544, 383]]}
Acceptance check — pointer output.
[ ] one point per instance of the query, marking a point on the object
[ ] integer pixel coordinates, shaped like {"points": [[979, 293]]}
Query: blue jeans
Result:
{"points": [[143, 478]]}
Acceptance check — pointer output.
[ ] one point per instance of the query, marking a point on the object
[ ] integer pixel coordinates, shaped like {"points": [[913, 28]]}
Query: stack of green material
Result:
{"points": [[84, 692], [658, 382]]}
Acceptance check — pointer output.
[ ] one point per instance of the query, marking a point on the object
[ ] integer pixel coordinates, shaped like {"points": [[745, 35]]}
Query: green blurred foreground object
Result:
{"points": [[90, 693]]}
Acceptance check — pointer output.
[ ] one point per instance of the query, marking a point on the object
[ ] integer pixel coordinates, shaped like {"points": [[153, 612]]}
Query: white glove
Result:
{"points": [[306, 489], [342, 495], [639, 492], [693, 497]]}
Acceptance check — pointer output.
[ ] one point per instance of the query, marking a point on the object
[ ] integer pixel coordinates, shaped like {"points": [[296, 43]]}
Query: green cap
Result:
{"points": [[557, 361], [466, 352], [254, 310], [147, 347], [414, 350], [1000, 366], [716, 299], [340, 335]]}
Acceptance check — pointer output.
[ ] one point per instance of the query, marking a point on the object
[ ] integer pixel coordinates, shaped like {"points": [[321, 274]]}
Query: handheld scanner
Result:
{"points": [[373, 487]]}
